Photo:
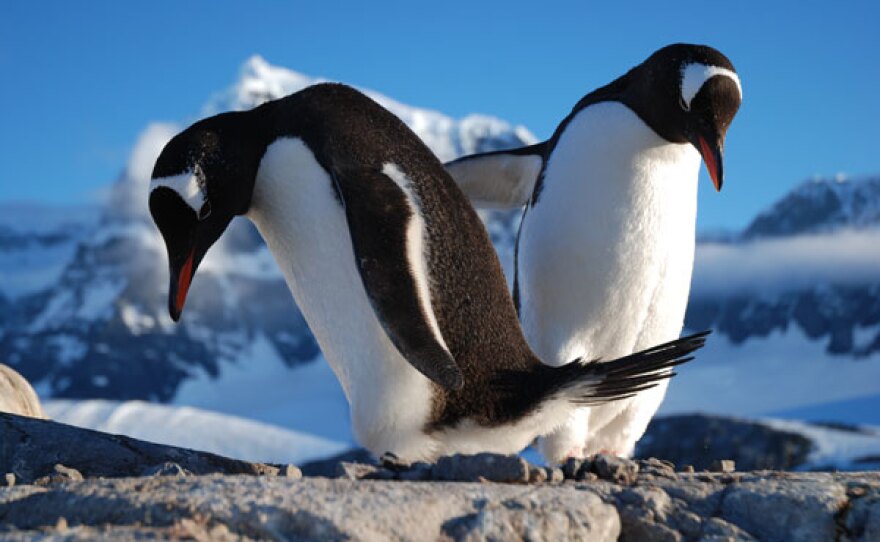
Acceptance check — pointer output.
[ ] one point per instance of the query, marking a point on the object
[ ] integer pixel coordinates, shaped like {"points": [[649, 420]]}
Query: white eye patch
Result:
{"points": [[695, 75], [187, 187]]}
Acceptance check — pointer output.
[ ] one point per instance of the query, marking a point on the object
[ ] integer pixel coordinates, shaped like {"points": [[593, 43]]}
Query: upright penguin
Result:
{"points": [[606, 244], [391, 268]]}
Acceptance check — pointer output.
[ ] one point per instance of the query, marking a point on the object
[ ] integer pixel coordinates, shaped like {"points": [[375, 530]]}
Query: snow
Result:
{"points": [[259, 386], [835, 447], [194, 428], [98, 299], [68, 348], [783, 371], [32, 217], [44, 264], [449, 138]]}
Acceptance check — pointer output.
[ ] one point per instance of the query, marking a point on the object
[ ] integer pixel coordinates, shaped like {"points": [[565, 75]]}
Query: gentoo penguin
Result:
{"points": [[391, 267], [606, 244]]}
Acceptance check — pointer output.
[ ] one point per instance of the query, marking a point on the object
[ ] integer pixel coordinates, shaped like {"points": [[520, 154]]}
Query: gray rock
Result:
{"points": [[700, 440], [479, 467], [9, 479], [862, 521], [718, 530], [537, 475], [615, 469], [31, 447], [571, 468], [59, 474], [418, 471], [233, 507], [555, 475], [797, 508], [355, 471]]}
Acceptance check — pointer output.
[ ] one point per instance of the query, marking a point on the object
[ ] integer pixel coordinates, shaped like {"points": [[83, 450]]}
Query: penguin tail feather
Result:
{"points": [[590, 383]]}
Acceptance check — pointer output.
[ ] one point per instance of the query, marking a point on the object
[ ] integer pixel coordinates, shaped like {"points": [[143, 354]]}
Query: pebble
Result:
{"points": [[166, 469], [615, 469], [723, 465]]}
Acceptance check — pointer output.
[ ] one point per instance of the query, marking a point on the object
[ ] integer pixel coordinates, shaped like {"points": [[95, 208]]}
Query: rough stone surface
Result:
{"points": [[488, 467], [615, 469], [605, 498], [700, 440], [30, 448]]}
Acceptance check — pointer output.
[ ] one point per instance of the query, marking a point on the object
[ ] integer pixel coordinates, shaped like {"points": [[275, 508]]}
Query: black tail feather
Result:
{"points": [[594, 382]]}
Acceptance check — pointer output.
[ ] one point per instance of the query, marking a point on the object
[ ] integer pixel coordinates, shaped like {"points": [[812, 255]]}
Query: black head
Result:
{"points": [[686, 93], [202, 179]]}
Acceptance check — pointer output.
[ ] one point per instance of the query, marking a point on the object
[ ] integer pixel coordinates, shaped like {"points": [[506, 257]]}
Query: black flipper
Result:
{"points": [[379, 213], [499, 179], [595, 383]]}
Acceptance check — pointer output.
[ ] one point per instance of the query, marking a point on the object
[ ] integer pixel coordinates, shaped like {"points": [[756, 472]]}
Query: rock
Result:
{"points": [[615, 469], [168, 468], [571, 467], [327, 467], [775, 509], [716, 529], [356, 471], [59, 474], [722, 465], [700, 440], [9, 479], [548, 517], [486, 466], [418, 471], [862, 521], [31, 447], [689, 469], [554, 475], [17, 396], [537, 475], [290, 471]]}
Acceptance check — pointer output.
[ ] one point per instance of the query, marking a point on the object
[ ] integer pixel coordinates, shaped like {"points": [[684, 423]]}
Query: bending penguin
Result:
{"points": [[605, 248], [391, 267]]}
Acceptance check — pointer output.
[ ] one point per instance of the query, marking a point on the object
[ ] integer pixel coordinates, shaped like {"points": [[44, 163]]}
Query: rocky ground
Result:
{"points": [[65, 491]]}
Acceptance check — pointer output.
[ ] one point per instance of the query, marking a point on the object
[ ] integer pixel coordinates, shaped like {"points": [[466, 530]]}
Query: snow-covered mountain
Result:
{"points": [[83, 310], [794, 300]]}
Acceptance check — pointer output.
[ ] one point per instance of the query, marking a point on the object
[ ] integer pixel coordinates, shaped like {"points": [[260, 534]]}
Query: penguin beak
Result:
{"points": [[181, 277], [712, 155], [711, 148]]}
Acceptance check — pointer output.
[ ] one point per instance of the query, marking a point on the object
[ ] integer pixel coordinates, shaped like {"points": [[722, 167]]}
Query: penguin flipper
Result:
{"points": [[499, 179], [386, 231]]}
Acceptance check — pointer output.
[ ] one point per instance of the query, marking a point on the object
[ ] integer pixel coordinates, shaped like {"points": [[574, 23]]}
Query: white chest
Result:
{"points": [[605, 256], [296, 211]]}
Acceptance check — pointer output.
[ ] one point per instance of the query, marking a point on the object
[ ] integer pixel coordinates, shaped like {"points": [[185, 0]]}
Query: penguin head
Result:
{"points": [[200, 182], [689, 93]]}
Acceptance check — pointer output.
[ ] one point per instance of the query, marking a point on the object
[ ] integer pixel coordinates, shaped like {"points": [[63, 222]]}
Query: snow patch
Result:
{"points": [[194, 428]]}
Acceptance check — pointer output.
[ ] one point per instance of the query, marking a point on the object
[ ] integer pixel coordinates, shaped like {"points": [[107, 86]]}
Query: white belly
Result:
{"points": [[605, 256], [296, 211]]}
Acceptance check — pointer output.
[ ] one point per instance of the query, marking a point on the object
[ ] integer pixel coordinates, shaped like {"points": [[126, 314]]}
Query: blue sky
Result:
{"points": [[81, 80]]}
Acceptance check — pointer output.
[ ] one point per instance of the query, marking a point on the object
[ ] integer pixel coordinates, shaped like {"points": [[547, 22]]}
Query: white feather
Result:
{"points": [[605, 257], [695, 75], [416, 251], [187, 187]]}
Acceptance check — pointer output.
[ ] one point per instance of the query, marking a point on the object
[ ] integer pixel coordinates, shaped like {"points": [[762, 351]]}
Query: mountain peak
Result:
{"points": [[821, 204]]}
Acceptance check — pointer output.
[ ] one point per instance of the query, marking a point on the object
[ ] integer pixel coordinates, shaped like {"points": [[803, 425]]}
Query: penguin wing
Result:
{"points": [[387, 234], [499, 179]]}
